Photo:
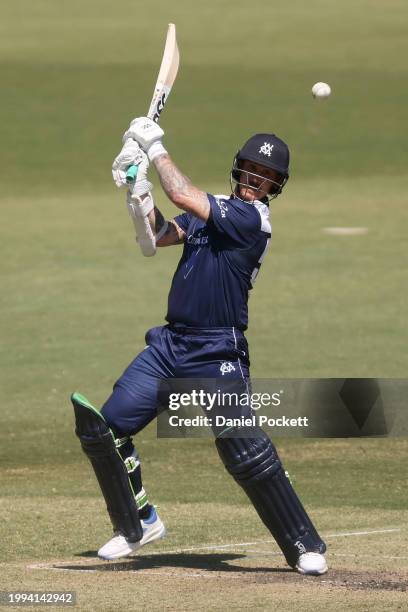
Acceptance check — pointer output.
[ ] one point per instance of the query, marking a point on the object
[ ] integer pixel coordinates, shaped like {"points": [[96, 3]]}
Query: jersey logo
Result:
{"points": [[198, 237], [226, 367], [222, 206], [266, 149]]}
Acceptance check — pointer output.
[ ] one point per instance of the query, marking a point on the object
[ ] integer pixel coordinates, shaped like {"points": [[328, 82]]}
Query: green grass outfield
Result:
{"points": [[77, 297], [74, 73]]}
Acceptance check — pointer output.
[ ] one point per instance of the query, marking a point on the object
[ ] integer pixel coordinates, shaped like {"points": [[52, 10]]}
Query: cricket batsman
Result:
{"points": [[225, 239]]}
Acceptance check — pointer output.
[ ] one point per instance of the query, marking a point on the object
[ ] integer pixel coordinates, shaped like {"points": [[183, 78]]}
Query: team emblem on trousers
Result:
{"points": [[266, 149], [226, 367]]}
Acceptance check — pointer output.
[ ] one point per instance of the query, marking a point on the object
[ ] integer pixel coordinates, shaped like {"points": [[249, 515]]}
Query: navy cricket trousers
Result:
{"points": [[174, 352]]}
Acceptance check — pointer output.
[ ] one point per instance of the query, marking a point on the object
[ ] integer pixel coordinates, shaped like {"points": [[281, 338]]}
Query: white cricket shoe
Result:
{"points": [[311, 563], [118, 546]]}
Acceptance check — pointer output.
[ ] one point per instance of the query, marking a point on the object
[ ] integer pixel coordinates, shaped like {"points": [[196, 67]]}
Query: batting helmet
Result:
{"points": [[267, 150]]}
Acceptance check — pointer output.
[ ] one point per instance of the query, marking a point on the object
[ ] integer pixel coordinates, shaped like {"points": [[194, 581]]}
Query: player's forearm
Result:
{"points": [[157, 221], [167, 233], [179, 189], [148, 221], [174, 183], [152, 230]]}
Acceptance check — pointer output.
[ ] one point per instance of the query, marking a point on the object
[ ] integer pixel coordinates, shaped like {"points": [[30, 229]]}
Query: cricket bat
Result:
{"points": [[167, 76]]}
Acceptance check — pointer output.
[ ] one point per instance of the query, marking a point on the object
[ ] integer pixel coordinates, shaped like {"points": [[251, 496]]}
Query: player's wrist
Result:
{"points": [[155, 150]]}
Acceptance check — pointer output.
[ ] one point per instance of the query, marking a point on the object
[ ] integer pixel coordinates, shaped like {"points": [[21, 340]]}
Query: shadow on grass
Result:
{"points": [[208, 562], [366, 580]]}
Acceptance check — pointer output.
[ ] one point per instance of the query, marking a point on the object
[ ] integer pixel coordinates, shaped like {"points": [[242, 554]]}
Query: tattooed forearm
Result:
{"points": [[173, 181], [180, 190]]}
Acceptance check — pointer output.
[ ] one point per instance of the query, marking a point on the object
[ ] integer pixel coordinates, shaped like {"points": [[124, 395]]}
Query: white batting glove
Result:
{"points": [[132, 154], [148, 134], [141, 184]]}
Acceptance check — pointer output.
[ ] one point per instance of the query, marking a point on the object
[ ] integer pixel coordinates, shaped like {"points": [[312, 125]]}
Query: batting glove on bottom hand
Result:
{"points": [[132, 154]]}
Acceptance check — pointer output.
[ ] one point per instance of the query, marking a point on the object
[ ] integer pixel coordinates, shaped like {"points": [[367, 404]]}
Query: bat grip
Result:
{"points": [[131, 174]]}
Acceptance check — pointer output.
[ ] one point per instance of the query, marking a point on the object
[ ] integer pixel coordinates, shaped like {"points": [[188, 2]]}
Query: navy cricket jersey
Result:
{"points": [[221, 258]]}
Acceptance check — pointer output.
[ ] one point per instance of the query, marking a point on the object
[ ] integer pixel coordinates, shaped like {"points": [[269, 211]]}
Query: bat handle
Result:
{"points": [[131, 174]]}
